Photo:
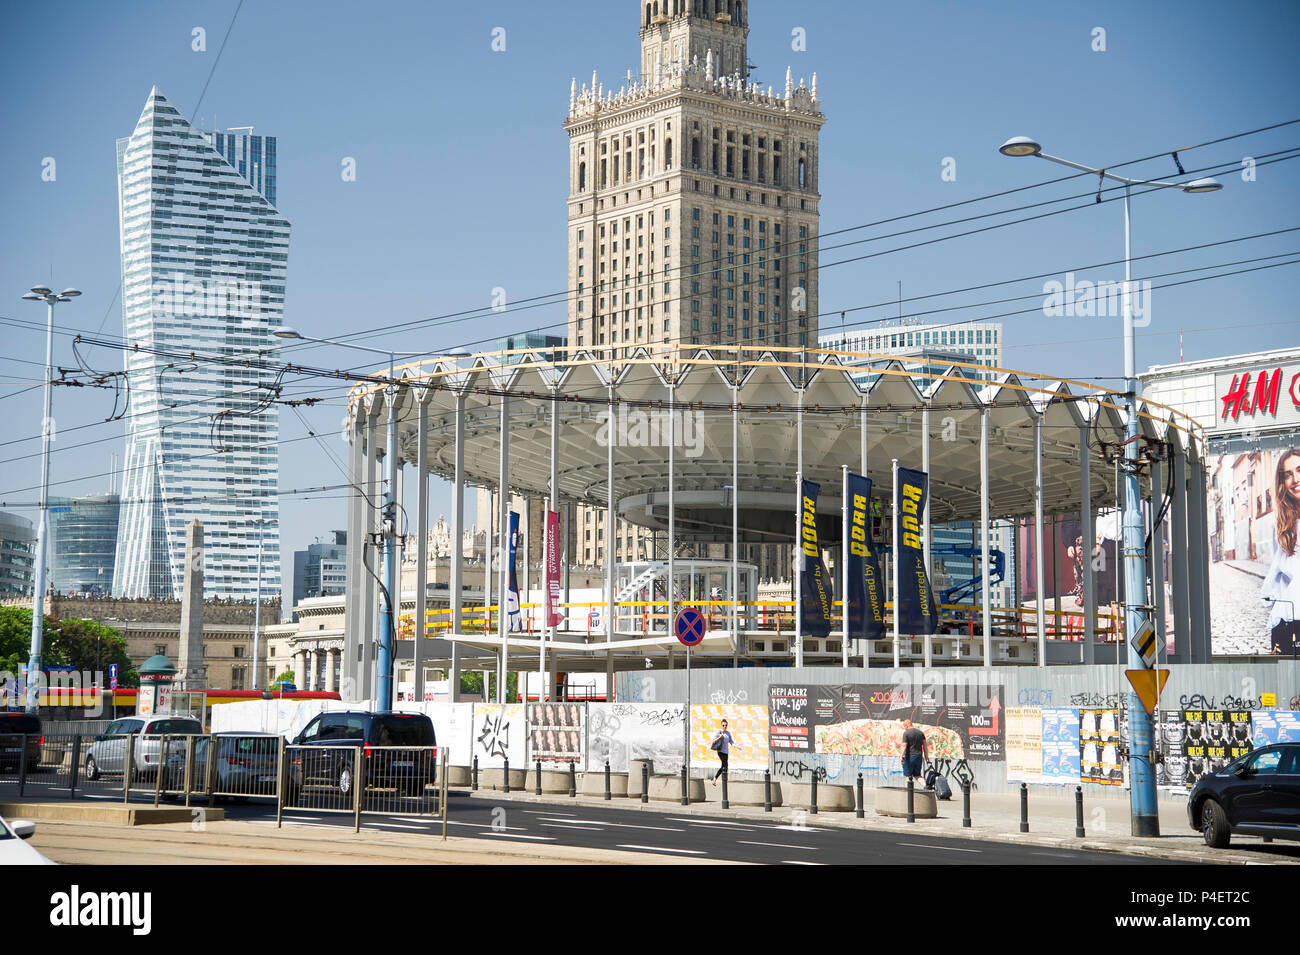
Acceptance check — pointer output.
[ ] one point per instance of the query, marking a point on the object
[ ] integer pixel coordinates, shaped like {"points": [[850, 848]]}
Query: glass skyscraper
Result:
{"points": [[204, 256], [83, 543]]}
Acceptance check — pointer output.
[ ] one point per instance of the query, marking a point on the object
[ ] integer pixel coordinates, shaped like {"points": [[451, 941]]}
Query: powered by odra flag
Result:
{"points": [[914, 598], [814, 582]]}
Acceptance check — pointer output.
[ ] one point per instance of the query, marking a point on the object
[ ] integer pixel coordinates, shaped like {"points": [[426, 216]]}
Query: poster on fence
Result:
{"points": [[1274, 726], [1099, 746], [960, 721], [555, 734], [1024, 744], [1212, 739], [748, 726], [453, 728], [1060, 752], [1171, 770], [620, 732], [499, 734]]}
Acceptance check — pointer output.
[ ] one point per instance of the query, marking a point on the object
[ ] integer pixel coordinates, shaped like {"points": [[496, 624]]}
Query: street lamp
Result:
{"points": [[1142, 794], [41, 293], [392, 597]]}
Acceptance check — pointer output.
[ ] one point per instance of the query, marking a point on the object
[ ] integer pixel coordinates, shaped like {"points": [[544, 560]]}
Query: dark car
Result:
{"points": [[398, 755], [1258, 795], [13, 727]]}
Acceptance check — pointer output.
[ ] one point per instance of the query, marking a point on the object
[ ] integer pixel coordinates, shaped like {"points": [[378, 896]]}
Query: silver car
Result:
{"points": [[107, 754], [247, 764]]}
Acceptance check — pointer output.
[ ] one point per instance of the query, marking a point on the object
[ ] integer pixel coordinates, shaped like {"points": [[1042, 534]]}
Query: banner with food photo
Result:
{"points": [[851, 719], [556, 733], [1212, 739]]}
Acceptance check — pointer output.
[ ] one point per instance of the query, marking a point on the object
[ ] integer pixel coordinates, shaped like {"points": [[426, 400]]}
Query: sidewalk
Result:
{"points": [[258, 843], [995, 817]]}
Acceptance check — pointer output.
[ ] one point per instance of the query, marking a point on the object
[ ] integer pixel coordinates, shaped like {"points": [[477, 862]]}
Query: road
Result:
{"points": [[783, 840]]}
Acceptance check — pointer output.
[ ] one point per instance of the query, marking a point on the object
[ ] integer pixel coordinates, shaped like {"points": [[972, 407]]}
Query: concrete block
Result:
{"points": [[741, 792], [634, 774], [593, 784], [496, 779], [553, 780], [830, 798], [669, 789], [892, 801], [456, 776]]}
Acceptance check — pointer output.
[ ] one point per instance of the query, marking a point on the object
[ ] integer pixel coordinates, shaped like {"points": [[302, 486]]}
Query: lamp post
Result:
{"points": [[40, 293], [392, 603], [1142, 794]]}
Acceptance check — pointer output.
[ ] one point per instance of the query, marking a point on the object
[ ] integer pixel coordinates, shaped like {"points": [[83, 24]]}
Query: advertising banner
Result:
{"points": [[1024, 744], [512, 587], [556, 734], [1254, 562], [1099, 746], [620, 732], [814, 582], [1212, 739], [748, 726], [915, 599], [959, 721], [553, 615], [866, 596], [499, 734], [453, 728], [1171, 771]]}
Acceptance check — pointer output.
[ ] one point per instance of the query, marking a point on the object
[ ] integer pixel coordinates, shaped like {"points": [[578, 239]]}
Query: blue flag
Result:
{"points": [[814, 582], [915, 599], [866, 596]]}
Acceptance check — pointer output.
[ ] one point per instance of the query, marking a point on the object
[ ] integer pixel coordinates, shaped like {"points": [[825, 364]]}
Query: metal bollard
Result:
{"points": [[505, 786], [645, 782], [767, 790], [22, 764], [813, 807], [911, 794], [538, 771], [1078, 812], [475, 780], [1024, 808], [129, 768], [726, 803], [608, 794], [861, 804], [573, 780], [686, 799], [965, 803], [76, 766]]}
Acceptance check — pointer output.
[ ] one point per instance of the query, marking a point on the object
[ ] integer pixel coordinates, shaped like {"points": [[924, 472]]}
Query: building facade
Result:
{"points": [[17, 556], [1249, 406], [319, 571], [693, 206], [83, 543], [926, 350], [204, 257]]}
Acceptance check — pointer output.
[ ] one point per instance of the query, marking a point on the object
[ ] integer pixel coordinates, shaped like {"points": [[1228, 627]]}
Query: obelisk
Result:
{"points": [[191, 673]]}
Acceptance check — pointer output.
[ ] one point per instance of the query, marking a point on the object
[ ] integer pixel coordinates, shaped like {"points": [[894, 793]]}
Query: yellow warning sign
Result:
{"points": [[1148, 684]]}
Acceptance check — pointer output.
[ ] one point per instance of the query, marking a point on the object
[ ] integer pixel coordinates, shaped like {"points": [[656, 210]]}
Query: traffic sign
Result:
{"points": [[1148, 684], [1144, 642], [112, 676], [689, 626]]}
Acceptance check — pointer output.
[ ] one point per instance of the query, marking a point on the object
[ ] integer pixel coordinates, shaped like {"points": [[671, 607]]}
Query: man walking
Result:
{"points": [[722, 744], [916, 751]]}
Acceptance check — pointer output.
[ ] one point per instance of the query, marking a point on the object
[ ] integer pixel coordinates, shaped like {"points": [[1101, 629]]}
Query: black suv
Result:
{"points": [[13, 727], [1257, 794], [328, 749]]}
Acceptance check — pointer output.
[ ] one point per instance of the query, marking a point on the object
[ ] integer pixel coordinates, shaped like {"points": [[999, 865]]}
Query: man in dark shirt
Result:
{"points": [[916, 751]]}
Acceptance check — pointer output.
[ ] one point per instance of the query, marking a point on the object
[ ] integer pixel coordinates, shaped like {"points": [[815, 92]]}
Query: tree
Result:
{"points": [[471, 681], [15, 638], [85, 645]]}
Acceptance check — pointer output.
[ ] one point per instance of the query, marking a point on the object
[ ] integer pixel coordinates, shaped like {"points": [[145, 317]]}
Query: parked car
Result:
{"points": [[246, 765], [1258, 795], [107, 754], [13, 847], [13, 727], [327, 746]]}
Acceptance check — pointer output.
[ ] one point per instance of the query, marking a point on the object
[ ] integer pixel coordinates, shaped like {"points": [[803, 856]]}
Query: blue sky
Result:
{"points": [[462, 163]]}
